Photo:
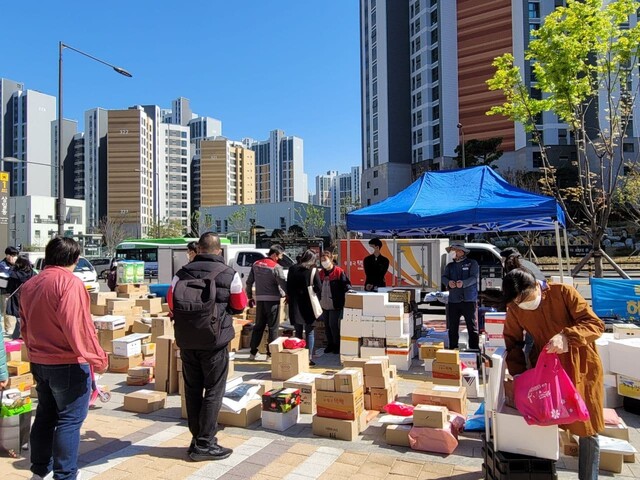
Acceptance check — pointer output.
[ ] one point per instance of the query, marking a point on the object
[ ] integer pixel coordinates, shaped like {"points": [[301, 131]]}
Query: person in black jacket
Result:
{"points": [[375, 267], [21, 271], [203, 346], [301, 276], [335, 285]]}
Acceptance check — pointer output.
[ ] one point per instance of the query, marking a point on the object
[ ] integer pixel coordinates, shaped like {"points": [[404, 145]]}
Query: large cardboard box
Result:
{"points": [[166, 365], [326, 382], [100, 298], [144, 401], [344, 406], [454, 398], [306, 383], [234, 344], [289, 363], [245, 417], [106, 338], [335, 428], [160, 327], [120, 364], [151, 305], [348, 380], [430, 416], [398, 435]]}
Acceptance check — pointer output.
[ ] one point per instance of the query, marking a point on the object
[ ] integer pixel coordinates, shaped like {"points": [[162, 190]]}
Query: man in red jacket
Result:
{"points": [[61, 340]]}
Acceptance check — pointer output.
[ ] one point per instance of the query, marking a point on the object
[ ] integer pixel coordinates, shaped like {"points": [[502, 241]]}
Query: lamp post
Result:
{"points": [[461, 131], [121, 71]]}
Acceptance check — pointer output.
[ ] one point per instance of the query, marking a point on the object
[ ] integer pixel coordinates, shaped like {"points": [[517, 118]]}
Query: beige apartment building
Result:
{"points": [[227, 173], [130, 169]]}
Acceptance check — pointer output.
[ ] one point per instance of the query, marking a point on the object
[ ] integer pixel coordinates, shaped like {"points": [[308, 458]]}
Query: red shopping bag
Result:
{"points": [[293, 343], [545, 395]]}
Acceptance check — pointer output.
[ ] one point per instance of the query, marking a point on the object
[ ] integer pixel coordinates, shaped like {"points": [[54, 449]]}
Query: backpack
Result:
{"points": [[197, 316]]}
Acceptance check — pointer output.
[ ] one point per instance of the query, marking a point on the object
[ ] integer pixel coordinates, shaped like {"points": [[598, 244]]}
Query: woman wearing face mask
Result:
{"points": [[335, 285], [560, 320]]}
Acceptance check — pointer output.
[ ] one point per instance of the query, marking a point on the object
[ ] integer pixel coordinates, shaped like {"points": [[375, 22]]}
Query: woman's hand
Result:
{"points": [[558, 344]]}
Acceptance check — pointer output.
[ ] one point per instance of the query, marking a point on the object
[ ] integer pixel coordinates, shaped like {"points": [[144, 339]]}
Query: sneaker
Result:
{"points": [[214, 453], [312, 363], [48, 476], [252, 357], [192, 447]]}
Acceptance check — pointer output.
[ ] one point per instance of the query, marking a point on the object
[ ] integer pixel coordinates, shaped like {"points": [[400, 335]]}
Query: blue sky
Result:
{"points": [[257, 65]]}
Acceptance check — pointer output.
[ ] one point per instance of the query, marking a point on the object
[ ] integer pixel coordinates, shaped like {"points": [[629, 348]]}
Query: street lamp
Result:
{"points": [[121, 71], [461, 131]]}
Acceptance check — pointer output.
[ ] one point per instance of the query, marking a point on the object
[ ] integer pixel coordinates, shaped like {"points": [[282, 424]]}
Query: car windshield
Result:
{"points": [[83, 266]]}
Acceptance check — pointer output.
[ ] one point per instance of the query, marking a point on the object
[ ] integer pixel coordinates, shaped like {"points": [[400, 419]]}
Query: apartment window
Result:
{"points": [[435, 112], [628, 147], [436, 150], [418, 62], [368, 184], [37, 234], [375, 192], [434, 17], [419, 136], [435, 131], [536, 94], [435, 94], [532, 28], [374, 88], [435, 74], [434, 3], [434, 55], [418, 80], [374, 53], [375, 175], [534, 10], [434, 36], [374, 36], [537, 160]]}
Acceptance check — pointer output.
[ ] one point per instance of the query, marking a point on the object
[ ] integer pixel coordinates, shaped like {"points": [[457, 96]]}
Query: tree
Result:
{"points": [[339, 230], [113, 232], [480, 152], [166, 229], [313, 221], [240, 221], [200, 223], [585, 61]]}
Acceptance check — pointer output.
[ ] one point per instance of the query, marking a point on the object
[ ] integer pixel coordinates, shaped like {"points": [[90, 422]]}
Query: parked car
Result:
{"points": [[84, 271], [102, 265]]}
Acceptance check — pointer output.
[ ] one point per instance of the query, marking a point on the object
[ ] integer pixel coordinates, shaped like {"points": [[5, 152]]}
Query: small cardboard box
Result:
{"points": [[280, 421], [133, 288], [140, 327], [306, 383], [348, 380], [14, 356], [142, 372], [106, 338], [119, 306], [376, 367], [326, 382], [138, 381], [127, 346], [380, 397], [100, 298], [428, 350], [245, 417], [18, 367], [120, 364], [148, 349], [144, 401], [454, 398], [289, 363], [22, 382], [344, 406], [98, 310], [447, 371], [335, 428], [160, 327], [264, 384], [353, 300], [151, 305], [448, 356], [430, 416], [398, 435]]}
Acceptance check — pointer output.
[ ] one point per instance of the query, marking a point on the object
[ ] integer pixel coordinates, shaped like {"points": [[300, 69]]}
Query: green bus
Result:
{"points": [[146, 249]]}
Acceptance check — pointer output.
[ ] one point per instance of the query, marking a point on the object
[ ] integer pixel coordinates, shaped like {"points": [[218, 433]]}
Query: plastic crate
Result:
{"points": [[510, 466]]}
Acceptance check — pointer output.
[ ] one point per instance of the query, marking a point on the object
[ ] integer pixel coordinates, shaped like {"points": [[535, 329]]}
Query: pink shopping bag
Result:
{"points": [[545, 395]]}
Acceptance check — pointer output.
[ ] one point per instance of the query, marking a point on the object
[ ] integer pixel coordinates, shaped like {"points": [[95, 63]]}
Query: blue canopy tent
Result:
{"points": [[457, 202]]}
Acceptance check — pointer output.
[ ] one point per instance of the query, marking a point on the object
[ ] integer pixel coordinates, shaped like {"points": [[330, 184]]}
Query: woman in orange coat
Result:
{"points": [[560, 320]]}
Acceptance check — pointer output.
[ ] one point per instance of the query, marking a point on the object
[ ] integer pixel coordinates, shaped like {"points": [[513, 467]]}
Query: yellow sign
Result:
{"points": [[4, 182]]}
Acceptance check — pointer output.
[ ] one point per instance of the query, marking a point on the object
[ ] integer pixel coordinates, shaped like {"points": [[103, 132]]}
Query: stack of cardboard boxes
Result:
{"points": [[306, 383], [624, 350], [18, 365], [374, 326], [340, 405], [127, 352], [287, 363], [446, 368], [380, 381], [494, 328], [280, 408]]}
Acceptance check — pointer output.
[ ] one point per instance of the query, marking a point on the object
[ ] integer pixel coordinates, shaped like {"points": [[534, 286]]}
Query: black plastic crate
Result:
{"points": [[511, 466]]}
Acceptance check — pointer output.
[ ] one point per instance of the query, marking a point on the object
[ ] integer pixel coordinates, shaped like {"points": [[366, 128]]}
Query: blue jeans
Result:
{"points": [[63, 403], [588, 458], [309, 333]]}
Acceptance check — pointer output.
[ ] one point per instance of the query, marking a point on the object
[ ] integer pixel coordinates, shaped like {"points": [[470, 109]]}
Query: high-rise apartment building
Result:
{"points": [[69, 130], [95, 169], [424, 67], [340, 192], [78, 185], [7, 89], [172, 180], [227, 173], [280, 173], [200, 129], [130, 169]]}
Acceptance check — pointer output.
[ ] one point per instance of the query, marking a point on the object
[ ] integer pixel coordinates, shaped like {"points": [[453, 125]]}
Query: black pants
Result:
{"points": [[454, 312], [267, 314], [205, 378]]}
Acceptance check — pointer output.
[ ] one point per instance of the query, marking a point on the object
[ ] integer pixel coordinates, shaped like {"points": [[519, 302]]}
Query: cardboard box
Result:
{"points": [[280, 421], [127, 346], [14, 356], [22, 382], [446, 371], [133, 288], [334, 428], [350, 346], [166, 370], [140, 327], [398, 435], [99, 310], [151, 305], [448, 356], [100, 298], [430, 416], [280, 400], [306, 383], [355, 363], [244, 418], [119, 306], [110, 322], [326, 382], [141, 372], [18, 367], [106, 338], [289, 363], [380, 397], [348, 380], [120, 364], [454, 398], [161, 327], [376, 367], [344, 406], [265, 385], [234, 344], [428, 350], [138, 381], [148, 349], [144, 401], [353, 300], [609, 461]]}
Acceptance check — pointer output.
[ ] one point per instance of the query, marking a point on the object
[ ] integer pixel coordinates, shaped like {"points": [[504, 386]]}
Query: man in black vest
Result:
{"points": [[205, 360]]}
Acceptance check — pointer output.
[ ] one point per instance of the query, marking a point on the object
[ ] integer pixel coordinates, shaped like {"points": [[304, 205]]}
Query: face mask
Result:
{"points": [[451, 256], [531, 304], [326, 264]]}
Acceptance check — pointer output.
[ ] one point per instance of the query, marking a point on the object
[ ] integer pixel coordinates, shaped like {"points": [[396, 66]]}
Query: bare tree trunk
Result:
{"points": [[581, 263]]}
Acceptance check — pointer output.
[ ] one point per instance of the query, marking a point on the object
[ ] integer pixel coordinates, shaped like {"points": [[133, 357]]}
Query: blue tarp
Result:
{"points": [[472, 200], [616, 296]]}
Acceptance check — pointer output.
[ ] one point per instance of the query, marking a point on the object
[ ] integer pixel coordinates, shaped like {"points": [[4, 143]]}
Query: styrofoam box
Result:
{"points": [[399, 357], [602, 345], [624, 355], [366, 328], [366, 352], [373, 303], [349, 346], [612, 399], [347, 314], [514, 435], [379, 329], [394, 328], [350, 328], [428, 365], [494, 328], [495, 340], [625, 330], [280, 421], [470, 379], [495, 317], [127, 347], [470, 359], [394, 309], [408, 324], [610, 380]]}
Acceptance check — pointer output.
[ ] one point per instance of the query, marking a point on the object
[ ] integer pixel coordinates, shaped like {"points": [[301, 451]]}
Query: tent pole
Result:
{"points": [[395, 262], [566, 251], [559, 250], [348, 266]]}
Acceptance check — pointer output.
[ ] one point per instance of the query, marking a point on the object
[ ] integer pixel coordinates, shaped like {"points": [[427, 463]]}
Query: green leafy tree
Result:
{"points": [[479, 152], [312, 220], [166, 229], [585, 58], [239, 222], [200, 223]]}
